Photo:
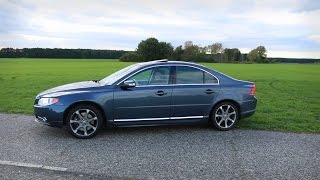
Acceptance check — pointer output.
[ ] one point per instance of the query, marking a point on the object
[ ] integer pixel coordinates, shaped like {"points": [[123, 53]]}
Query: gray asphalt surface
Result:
{"points": [[156, 153]]}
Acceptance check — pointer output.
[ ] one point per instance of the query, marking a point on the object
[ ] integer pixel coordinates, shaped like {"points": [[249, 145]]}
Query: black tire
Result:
{"points": [[224, 116], [84, 121]]}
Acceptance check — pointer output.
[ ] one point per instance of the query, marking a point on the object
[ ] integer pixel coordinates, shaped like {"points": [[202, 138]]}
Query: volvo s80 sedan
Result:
{"points": [[152, 93]]}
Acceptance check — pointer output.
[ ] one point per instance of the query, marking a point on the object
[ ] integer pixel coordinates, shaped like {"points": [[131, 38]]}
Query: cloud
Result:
{"points": [[315, 38], [40, 38], [282, 26], [294, 54], [308, 5]]}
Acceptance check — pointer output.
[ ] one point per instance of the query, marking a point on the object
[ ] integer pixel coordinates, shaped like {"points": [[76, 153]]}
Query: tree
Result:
{"points": [[151, 49], [258, 54], [188, 44], [216, 48], [60, 53], [203, 50], [131, 56], [177, 54], [165, 50], [233, 54], [192, 52]]}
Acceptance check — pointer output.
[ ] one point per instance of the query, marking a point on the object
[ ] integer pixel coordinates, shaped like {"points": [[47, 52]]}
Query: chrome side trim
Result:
{"points": [[179, 105], [172, 65], [187, 117], [157, 119], [141, 119]]}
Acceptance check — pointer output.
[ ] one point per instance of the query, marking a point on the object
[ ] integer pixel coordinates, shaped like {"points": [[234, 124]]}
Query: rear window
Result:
{"points": [[190, 75]]}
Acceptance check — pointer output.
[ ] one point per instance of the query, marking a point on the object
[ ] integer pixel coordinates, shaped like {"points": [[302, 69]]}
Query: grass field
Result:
{"points": [[288, 94]]}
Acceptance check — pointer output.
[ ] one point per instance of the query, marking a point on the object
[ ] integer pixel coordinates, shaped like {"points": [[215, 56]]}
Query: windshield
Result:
{"points": [[118, 74]]}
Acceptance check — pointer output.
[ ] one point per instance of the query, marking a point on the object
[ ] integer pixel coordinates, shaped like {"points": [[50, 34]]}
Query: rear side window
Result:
{"points": [[190, 75], [209, 79]]}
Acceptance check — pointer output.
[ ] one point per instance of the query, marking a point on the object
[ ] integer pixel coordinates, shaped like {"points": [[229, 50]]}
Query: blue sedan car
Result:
{"points": [[148, 94]]}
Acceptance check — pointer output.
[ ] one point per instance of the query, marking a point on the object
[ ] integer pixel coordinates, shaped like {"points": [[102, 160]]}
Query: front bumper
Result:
{"points": [[49, 115]]}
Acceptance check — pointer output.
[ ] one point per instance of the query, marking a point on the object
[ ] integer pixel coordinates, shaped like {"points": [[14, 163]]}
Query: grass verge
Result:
{"points": [[288, 94]]}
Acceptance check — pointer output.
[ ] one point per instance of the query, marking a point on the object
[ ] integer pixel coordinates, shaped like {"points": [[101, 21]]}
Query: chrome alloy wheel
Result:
{"points": [[225, 116], [84, 122]]}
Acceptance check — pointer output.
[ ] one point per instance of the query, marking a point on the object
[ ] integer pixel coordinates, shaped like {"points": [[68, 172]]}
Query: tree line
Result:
{"points": [[147, 50], [152, 48], [60, 53]]}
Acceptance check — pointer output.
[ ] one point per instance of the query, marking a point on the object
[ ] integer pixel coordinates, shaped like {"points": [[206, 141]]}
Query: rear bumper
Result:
{"points": [[248, 113], [49, 115], [248, 108]]}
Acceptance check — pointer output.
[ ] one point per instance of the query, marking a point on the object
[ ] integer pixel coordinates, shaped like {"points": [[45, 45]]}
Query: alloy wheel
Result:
{"points": [[225, 116], [84, 122]]}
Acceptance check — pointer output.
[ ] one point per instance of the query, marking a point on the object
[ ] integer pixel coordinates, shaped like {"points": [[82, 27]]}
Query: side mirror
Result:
{"points": [[128, 84]]}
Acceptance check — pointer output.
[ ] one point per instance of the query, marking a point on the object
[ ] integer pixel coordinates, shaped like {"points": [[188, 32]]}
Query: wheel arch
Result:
{"points": [[103, 113], [224, 100]]}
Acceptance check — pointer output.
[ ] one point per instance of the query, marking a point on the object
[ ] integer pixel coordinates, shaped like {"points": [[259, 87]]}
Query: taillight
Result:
{"points": [[253, 89]]}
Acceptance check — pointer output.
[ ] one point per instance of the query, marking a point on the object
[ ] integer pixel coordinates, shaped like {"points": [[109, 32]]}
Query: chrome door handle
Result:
{"points": [[209, 91], [160, 93]]}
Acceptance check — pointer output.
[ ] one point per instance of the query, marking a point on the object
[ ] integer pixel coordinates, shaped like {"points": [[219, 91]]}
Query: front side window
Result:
{"points": [[152, 76], [190, 75], [118, 75]]}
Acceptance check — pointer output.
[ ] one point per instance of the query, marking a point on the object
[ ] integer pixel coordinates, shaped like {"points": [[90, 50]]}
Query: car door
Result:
{"points": [[148, 102], [193, 93]]}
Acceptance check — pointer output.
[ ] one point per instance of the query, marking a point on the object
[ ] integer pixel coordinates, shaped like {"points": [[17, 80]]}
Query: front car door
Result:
{"points": [[147, 103], [193, 93]]}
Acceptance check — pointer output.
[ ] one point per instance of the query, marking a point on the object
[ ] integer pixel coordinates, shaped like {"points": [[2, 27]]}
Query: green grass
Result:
{"points": [[288, 94]]}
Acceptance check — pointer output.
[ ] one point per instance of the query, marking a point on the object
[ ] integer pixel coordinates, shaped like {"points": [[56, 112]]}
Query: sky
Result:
{"points": [[287, 28]]}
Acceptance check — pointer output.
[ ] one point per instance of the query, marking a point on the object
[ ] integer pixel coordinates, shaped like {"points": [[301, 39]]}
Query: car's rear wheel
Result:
{"points": [[84, 121], [224, 116]]}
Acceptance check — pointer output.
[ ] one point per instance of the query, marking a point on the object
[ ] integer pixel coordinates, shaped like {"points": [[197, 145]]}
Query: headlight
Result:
{"points": [[47, 101]]}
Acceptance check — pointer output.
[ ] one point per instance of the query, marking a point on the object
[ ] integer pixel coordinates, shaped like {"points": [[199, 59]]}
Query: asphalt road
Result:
{"points": [[154, 153]]}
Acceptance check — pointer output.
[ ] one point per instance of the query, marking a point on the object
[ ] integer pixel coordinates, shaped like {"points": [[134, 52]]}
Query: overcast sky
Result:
{"points": [[287, 28]]}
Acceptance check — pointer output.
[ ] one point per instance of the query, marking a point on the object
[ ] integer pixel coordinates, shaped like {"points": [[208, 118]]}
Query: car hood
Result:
{"points": [[78, 86]]}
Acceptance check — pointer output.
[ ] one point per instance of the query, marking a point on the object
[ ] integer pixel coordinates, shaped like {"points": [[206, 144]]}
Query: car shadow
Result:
{"points": [[153, 130], [107, 133]]}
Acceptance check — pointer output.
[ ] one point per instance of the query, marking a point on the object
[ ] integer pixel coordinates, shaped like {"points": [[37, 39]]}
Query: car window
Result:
{"points": [[209, 79], [119, 74], [152, 76], [190, 75], [143, 77]]}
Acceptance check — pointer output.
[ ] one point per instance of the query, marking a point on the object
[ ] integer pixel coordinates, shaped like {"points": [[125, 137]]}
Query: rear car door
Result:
{"points": [[193, 93]]}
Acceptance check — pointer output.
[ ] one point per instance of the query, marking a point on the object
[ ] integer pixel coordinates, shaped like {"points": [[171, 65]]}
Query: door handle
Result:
{"points": [[209, 91], [160, 93]]}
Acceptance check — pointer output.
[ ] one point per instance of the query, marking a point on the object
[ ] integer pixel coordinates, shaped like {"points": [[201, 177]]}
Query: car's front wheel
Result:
{"points": [[84, 121], [224, 116]]}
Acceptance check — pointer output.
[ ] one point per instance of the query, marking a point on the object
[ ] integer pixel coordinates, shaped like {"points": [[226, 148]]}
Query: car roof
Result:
{"points": [[162, 61]]}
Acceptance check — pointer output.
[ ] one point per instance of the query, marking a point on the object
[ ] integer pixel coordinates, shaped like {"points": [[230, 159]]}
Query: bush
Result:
{"points": [[131, 57]]}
